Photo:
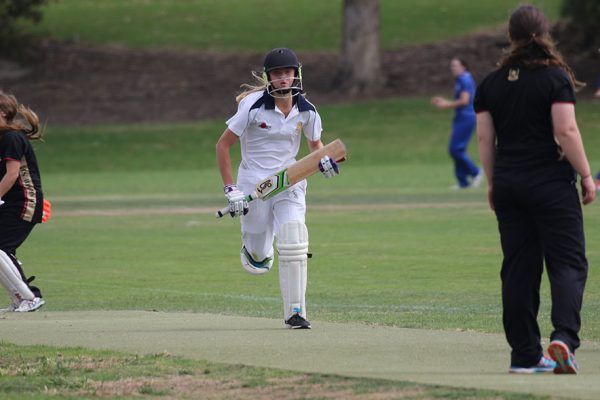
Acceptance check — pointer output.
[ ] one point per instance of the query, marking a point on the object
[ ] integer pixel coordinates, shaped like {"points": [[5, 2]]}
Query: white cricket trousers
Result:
{"points": [[264, 218]]}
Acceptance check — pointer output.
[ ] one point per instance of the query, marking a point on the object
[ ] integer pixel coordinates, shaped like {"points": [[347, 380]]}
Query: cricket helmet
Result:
{"points": [[282, 58]]}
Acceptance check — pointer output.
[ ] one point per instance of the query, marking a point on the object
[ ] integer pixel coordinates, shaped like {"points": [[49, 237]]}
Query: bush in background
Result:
{"points": [[15, 43], [584, 18]]}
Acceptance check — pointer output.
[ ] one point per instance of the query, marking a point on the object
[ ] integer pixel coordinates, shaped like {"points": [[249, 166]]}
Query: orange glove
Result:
{"points": [[47, 212]]}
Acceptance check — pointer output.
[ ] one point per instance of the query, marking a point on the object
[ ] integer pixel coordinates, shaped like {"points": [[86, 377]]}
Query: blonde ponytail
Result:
{"points": [[262, 85]]}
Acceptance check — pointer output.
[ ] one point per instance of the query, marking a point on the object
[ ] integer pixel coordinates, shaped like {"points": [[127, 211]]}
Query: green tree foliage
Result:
{"points": [[584, 16], [12, 38]]}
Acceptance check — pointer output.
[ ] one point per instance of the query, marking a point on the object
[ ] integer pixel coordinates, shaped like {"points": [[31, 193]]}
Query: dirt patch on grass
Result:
{"points": [[72, 378], [195, 387], [76, 83]]}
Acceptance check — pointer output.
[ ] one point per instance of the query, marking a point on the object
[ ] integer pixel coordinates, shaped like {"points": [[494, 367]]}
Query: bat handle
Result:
{"points": [[225, 210], [222, 212]]}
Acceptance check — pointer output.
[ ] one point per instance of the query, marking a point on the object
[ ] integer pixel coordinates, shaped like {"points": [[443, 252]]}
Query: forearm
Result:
{"points": [[566, 132], [3, 188], [6, 183], [487, 155], [455, 104], [223, 149], [486, 140], [572, 146], [224, 162], [10, 177], [316, 145], [462, 101]]}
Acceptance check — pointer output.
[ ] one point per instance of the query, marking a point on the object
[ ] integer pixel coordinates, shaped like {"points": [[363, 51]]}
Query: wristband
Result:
{"points": [[229, 188]]}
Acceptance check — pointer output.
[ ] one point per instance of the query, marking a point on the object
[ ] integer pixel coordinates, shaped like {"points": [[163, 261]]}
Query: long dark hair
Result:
{"points": [[19, 117], [531, 43]]}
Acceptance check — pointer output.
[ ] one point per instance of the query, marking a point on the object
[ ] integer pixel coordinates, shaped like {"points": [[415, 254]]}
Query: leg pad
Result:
{"points": [[11, 279], [292, 247]]}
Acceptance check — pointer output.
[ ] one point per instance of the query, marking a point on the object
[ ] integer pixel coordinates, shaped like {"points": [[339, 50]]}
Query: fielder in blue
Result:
{"points": [[463, 125]]}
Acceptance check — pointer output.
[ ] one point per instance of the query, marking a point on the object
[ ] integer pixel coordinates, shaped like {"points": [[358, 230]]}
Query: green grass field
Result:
{"points": [[392, 245], [41, 372], [430, 260], [302, 25]]}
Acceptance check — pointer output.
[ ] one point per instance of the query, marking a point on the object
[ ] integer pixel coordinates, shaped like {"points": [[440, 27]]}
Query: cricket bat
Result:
{"points": [[293, 174]]}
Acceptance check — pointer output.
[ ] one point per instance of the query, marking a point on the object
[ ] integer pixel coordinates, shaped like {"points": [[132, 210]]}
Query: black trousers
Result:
{"points": [[540, 219], [13, 232]]}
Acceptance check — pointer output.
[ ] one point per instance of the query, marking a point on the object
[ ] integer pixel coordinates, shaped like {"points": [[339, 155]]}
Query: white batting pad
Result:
{"points": [[11, 280], [292, 247]]}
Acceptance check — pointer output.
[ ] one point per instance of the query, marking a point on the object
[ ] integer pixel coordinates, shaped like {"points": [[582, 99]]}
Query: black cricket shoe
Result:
{"points": [[296, 321]]}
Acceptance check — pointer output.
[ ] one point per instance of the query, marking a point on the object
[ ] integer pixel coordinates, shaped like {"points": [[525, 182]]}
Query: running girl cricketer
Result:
{"points": [[21, 199], [463, 125], [269, 124]]}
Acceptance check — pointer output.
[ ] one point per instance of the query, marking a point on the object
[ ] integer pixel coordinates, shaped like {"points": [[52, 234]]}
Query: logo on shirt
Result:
{"points": [[263, 125], [513, 74], [298, 128]]}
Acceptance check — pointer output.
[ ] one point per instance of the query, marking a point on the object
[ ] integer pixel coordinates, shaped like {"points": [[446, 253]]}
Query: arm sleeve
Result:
{"points": [[479, 103], [562, 90], [239, 122], [463, 85], [312, 130], [13, 147]]}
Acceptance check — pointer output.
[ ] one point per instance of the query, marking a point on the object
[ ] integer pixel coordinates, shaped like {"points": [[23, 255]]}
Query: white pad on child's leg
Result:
{"points": [[12, 281], [292, 247], [255, 267]]}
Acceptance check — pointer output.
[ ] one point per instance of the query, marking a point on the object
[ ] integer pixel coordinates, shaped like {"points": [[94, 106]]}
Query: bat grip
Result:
{"points": [[222, 212], [225, 210]]}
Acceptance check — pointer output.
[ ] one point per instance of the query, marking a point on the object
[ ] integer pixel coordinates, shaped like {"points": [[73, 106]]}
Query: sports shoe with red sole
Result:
{"points": [[565, 359]]}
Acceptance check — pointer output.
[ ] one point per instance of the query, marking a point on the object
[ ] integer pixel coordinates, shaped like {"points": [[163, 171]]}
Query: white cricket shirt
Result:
{"points": [[269, 140]]}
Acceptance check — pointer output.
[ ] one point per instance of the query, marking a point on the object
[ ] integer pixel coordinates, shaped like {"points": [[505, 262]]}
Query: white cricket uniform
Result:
{"points": [[270, 142]]}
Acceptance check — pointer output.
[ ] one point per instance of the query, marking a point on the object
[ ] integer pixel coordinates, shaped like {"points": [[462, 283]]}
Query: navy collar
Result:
{"points": [[303, 104], [269, 102]]}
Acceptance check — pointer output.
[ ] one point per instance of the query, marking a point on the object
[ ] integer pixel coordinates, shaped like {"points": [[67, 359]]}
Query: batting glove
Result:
{"points": [[238, 205], [328, 167], [1, 202]]}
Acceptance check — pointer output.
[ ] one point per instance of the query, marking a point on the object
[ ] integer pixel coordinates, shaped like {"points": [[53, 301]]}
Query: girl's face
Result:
{"points": [[456, 67], [282, 78]]}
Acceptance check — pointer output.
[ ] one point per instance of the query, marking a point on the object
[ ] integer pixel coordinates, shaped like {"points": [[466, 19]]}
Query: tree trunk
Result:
{"points": [[360, 68]]}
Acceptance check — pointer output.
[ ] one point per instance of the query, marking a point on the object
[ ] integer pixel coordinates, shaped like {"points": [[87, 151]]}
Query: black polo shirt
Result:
{"points": [[25, 196], [519, 100]]}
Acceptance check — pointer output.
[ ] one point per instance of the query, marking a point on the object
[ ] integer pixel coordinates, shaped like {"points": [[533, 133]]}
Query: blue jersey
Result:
{"points": [[465, 83]]}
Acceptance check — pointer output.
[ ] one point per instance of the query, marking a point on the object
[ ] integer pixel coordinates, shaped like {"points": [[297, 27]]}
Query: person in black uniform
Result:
{"points": [[531, 151], [21, 199]]}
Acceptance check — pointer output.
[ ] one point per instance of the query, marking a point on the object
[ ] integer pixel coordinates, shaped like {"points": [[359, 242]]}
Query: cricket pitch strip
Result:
{"points": [[463, 359]]}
